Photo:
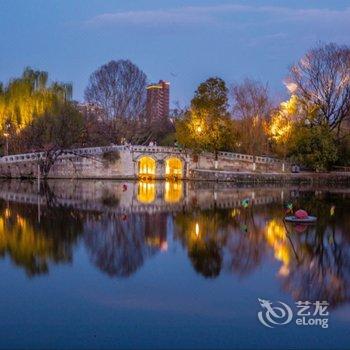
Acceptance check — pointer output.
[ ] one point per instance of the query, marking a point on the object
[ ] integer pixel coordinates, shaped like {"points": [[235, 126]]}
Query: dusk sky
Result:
{"points": [[184, 41]]}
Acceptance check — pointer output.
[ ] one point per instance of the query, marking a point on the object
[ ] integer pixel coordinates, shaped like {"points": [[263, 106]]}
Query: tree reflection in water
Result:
{"points": [[33, 245], [203, 233], [123, 226], [320, 268], [120, 246], [315, 260]]}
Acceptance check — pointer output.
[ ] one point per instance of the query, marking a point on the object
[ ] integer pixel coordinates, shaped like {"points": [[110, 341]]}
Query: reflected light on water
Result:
{"points": [[173, 191], [197, 229], [235, 212], [24, 243], [219, 235], [275, 234], [146, 191], [7, 213]]}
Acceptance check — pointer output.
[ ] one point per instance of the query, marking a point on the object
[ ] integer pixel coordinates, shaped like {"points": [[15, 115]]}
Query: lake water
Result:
{"points": [[87, 264]]}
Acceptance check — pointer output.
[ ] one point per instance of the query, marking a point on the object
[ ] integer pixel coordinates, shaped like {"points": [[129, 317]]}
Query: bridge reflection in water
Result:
{"points": [[147, 191], [122, 225]]}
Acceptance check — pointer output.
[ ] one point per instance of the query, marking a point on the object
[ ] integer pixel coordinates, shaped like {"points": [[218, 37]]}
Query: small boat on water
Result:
{"points": [[308, 220], [301, 217]]}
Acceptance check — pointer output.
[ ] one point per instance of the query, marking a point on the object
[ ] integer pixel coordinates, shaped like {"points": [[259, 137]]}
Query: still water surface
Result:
{"points": [[88, 264]]}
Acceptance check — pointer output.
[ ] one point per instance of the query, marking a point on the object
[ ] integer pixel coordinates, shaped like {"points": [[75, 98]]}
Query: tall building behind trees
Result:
{"points": [[157, 106]]}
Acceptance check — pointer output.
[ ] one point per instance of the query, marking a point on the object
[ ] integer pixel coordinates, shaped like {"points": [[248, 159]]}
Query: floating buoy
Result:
{"points": [[307, 220], [289, 208], [301, 216], [245, 203]]}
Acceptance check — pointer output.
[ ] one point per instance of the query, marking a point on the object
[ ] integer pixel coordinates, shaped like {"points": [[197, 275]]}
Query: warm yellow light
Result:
{"points": [[235, 212], [146, 191], [26, 245], [173, 168], [147, 167], [197, 229], [282, 122], [173, 191], [7, 213], [275, 235]]}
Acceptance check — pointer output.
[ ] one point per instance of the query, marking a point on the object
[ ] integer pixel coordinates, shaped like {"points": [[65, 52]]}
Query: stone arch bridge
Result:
{"points": [[134, 162]]}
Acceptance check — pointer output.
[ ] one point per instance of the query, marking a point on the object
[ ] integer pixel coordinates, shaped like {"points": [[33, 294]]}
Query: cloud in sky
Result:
{"points": [[212, 14]]}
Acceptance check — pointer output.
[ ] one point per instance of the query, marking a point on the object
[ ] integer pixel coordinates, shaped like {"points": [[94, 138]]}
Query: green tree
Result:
{"points": [[207, 125], [211, 96], [314, 147]]}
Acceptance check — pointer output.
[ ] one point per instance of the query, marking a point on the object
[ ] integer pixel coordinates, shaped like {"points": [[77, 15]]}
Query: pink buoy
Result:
{"points": [[301, 214]]}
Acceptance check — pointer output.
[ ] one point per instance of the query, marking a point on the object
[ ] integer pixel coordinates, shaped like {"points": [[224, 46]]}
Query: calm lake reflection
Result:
{"points": [[168, 264]]}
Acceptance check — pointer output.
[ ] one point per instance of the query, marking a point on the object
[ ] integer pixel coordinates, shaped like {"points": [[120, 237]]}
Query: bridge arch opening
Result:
{"points": [[173, 168], [147, 167]]}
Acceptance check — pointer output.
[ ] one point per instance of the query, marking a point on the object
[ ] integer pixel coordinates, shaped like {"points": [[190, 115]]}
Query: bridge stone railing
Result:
{"points": [[157, 149], [248, 157], [27, 157]]}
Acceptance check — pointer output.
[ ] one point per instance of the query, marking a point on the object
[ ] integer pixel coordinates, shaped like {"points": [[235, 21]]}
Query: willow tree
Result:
{"points": [[29, 96]]}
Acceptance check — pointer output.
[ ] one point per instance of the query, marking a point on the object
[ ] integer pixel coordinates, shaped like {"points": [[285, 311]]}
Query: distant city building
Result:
{"points": [[158, 100]]}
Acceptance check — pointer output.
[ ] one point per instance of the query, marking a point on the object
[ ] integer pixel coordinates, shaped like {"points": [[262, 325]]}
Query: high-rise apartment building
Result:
{"points": [[158, 100]]}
